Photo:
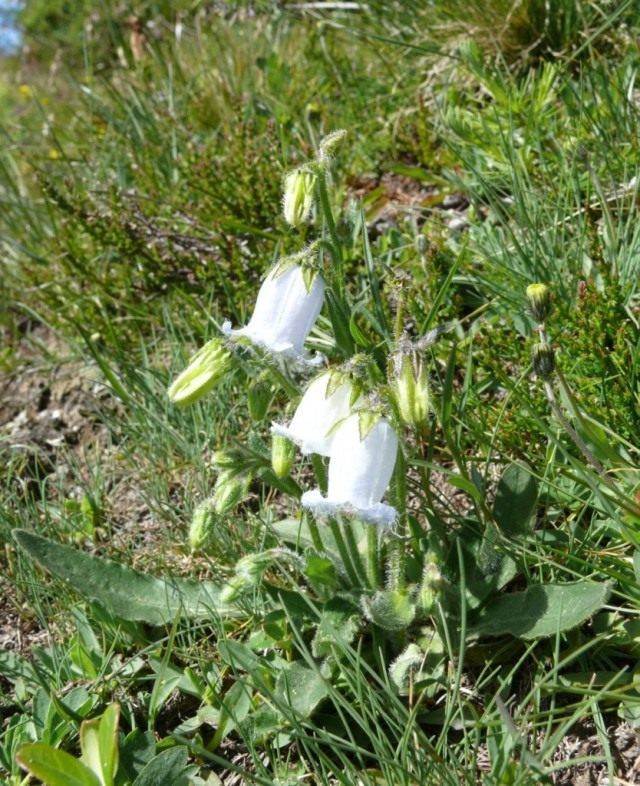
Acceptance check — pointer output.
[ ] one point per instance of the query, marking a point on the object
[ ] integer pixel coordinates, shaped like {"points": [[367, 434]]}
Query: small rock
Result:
{"points": [[453, 201], [458, 224]]}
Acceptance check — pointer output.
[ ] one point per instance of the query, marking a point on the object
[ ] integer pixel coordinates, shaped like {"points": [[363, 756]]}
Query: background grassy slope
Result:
{"points": [[140, 180]]}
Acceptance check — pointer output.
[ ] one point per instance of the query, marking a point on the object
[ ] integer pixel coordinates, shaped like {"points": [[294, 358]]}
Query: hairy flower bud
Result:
{"points": [[221, 459], [230, 489], [411, 391], [203, 525], [233, 589], [283, 453], [258, 400], [329, 144], [431, 585], [206, 368], [297, 202], [544, 359], [539, 299]]}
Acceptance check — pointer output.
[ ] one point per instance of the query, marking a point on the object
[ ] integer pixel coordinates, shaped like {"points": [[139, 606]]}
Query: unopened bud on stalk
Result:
{"points": [[232, 590], [258, 400], [539, 299], [251, 568], [223, 460], [431, 585], [204, 371], [544, 359], [230, 489], [283, 453], [203, 525], [329, 144], [411, 390], [298, 195]]}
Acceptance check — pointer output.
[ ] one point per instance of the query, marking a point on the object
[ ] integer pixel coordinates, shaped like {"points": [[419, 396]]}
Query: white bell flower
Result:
{"points": [[321, 408], [359, 473], [284, 313]]}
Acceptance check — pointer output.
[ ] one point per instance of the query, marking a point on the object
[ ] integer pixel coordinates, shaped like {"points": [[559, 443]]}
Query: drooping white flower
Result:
{"points": [[359, 473], [320, 409], [284, 313]]}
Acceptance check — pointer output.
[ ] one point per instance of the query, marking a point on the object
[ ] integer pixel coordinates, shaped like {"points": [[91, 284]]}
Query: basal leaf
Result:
{"points": [[55, 767], [515, 499], [301, 688], [168, 768], [542, 610], [126, 593]]}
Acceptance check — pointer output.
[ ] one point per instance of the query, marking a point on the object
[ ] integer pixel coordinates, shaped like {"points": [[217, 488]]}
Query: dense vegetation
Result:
{"points": [[491, 635]]}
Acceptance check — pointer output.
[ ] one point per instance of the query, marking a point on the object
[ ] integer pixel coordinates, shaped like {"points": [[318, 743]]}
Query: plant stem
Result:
{"points": [[344, 553], [336, 248], [397, 557], [314, 531], [319, 470], [354, 553], [373, 566]]}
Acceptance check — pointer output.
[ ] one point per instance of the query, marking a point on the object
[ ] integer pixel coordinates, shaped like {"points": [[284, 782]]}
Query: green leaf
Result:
{"points": [[90, 745], [337, 628], [339, 316], [300, 688], [126, 593], [99, 744], [136, 750], [321, 570], [108, 739], [543, 610], [486, 570], [168, 768], [55, 767], [515, 499]]}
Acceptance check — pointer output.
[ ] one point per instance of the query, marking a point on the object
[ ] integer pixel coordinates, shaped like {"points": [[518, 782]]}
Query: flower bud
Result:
{"points": [[258, 400], [203, 525], [539, 299], [205, 369], [329, 144], [298, 196], [411, 391], [232, 590], [230, 489], [283, 452], [252, 567], [432, 583], [544, 360], [223, 460]]}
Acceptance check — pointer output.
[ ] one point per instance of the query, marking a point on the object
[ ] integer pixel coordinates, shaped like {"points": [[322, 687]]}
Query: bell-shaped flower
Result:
{"points": [[327, 401], [285, 311], [360, 469]]}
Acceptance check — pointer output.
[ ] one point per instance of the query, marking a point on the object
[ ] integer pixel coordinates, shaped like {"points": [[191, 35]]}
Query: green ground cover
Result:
{"points": [[492, 635]]}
